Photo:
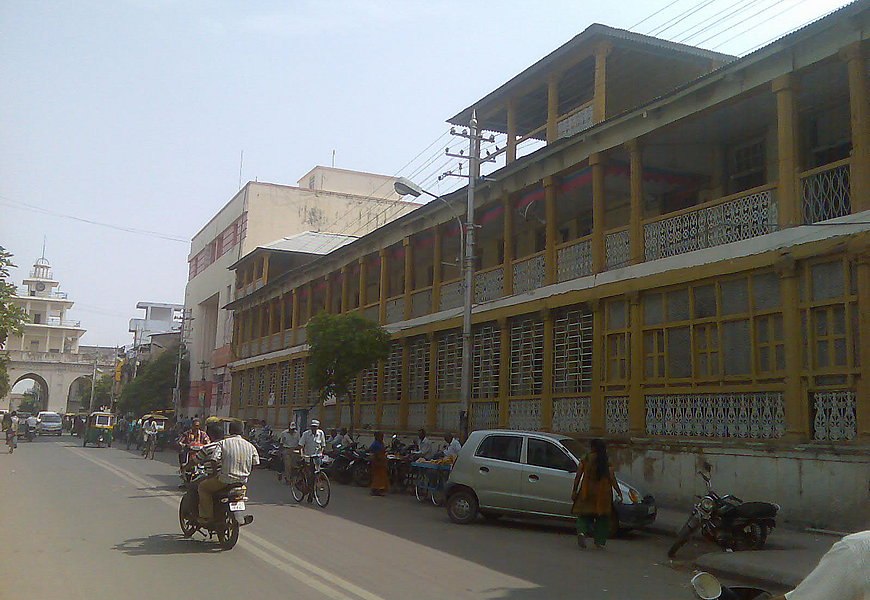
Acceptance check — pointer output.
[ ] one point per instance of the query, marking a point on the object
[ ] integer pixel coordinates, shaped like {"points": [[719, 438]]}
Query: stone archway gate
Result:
{"points": [[59, 370]]}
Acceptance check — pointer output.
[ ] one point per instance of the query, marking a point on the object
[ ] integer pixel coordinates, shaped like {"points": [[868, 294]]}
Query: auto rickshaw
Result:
{"points": [[224, 422], [99, 429]]}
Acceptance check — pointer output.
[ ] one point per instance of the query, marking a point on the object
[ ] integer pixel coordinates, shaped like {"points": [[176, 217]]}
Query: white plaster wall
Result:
{"points": [[350, 182]]}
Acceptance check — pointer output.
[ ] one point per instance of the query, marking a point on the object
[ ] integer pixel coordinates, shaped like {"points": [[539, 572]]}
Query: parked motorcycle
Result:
{"points": [[362, 468], [707, 587], [343, 460], [229, 511], [271, 455], [728, 521]]}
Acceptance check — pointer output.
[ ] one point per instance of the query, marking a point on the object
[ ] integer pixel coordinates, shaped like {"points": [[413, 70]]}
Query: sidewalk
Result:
{"points": [[788, 557]]}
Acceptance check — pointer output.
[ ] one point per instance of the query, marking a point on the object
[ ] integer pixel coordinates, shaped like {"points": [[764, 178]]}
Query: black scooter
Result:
{"points": [[728, 521]]}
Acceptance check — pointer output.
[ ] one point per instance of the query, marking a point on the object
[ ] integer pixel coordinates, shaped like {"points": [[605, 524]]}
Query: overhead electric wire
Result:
{"points": [[761, 23], [33, 208], [651, 15], [682, 37], [679, 18], [752, 16]]}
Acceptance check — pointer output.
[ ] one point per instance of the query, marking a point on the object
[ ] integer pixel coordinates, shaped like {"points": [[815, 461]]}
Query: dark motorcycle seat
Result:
{"points": [[752, 510]]}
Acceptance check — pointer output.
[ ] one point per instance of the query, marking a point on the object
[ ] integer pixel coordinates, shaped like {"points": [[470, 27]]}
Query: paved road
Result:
{"points": [[102, 522]]}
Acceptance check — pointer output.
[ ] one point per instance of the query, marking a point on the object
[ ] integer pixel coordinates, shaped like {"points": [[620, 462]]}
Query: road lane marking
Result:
{"points": [[316, 578]]}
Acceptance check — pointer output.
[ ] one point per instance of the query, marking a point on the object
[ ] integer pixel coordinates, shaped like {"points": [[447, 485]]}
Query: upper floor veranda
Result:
{"points": [[775, 140]]}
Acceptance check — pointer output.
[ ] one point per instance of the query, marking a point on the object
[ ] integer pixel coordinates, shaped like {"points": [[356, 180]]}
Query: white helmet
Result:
{"points": [[315, 423]]}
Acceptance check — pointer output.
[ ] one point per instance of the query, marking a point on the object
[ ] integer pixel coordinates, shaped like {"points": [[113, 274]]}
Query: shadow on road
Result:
{"points": [[164, 544]]}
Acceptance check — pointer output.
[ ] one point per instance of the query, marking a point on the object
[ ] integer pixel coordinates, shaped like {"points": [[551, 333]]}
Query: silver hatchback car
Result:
{"points": [[49, 423], [528, 473]]}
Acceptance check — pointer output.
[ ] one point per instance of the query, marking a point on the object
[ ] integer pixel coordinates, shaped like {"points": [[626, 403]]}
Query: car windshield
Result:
{"points": [[574, 447], [51, 418]]}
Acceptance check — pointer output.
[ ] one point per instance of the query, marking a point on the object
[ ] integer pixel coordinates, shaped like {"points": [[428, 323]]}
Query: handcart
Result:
{"points": [[430, 481]]}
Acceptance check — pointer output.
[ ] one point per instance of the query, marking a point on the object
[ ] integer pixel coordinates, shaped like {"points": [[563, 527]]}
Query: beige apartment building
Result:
{"points": [[325, 199], [683, 268]]}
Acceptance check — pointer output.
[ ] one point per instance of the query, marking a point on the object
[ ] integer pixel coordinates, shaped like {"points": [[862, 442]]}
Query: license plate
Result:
{"points": [[234, 506]]}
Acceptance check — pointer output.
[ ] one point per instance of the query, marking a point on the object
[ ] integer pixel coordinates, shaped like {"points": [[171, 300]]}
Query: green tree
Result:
{"points": [[31, 402], [102, 393], [342, 346], [152, 387], [12, 318]]}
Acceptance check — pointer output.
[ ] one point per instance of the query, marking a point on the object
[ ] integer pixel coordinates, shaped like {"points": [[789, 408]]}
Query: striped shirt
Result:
{"points": [[237, 456]]}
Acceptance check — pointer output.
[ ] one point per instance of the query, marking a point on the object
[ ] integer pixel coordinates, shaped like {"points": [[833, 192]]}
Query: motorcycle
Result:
{"points": [[399, 457], [728, 521], [362, 468], [341, 469], [190, 451], [229, 509], [271, 455], [29, 433], [707, 587]]}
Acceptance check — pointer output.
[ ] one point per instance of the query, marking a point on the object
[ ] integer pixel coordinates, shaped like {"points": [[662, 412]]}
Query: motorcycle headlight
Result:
{"points": [[707, 504]]}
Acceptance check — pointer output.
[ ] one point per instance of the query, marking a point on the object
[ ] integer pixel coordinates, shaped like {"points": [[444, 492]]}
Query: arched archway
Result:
{"points": [[20, 392], [79, 395]]}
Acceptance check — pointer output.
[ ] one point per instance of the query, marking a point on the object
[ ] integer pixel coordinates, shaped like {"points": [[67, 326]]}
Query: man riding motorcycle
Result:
{"points": [[236, 457], [191, 441]]}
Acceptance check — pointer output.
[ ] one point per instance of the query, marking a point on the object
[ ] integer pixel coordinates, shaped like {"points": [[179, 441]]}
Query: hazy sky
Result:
{"points": [[133, 113]]}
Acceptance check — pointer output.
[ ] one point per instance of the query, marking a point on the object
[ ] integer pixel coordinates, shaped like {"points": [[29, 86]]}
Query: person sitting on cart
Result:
{"points": [[236, 457], [425, 448], [453, 446]]}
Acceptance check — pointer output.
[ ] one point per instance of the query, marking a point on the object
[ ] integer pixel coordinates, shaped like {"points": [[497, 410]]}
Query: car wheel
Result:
{"points": [[462, 507]]}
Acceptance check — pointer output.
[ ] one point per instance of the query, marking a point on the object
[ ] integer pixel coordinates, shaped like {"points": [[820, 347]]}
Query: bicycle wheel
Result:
{"points": [[297, 488], [321, 489]]}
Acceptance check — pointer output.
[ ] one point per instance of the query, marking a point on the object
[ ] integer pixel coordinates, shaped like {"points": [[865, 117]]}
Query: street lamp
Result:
{"points": [[406, 187]]}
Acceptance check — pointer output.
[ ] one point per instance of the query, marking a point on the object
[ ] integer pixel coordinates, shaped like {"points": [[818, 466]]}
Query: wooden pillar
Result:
{"points": [[787, 196], [635, 229], [599, 257], [345, 272], [309, 304], [636, 403], [859, 106], [436, 270], [547, 388], [433, 379], [596, 397], [409, 276], [362, 283], [504, 370], [384, 286], [295, 319], [511, 150], [599, 100], [552, 108], [862, 264], [265, 268], [508, 246], [796, 405], [328, 296], [550, 229]]}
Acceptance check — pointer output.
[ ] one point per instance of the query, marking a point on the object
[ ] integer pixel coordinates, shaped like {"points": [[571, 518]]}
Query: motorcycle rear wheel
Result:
{"points": [[751, 536], [188, 527], [228, 534], [362, 475]]}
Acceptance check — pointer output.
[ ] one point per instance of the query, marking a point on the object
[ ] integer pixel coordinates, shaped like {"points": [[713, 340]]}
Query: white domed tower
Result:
{"points": [[47, 329]]}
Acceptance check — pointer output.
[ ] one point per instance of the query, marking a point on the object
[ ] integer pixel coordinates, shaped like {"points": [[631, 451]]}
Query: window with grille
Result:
{"points": [[393, 374], [273, 384], [261, 385], [285, 381], [369, 385], [449, 364], [616, 341], [830, 313], [485, 361], [298, 381], [572, 351], [418, 368], [526, 356]]}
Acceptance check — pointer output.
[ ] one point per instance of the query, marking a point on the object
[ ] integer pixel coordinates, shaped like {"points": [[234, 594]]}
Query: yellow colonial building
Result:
{"points": [[683, 267]]}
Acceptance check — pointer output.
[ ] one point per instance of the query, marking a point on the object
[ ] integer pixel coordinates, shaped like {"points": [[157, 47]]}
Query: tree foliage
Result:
{"points": [[102, 393], [341, 347], [12, 318], [30, 403], [151, 389]]}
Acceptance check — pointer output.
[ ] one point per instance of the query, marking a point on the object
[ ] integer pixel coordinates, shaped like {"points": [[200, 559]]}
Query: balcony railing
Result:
{"points": [[574, 259], [421, 302], [371, 312], [730, 219], [489, 284], [826, 192], [617, 253], [394, 310], [575, 121], [529, 273], [23, 292], [451, 294], [58, 322]]}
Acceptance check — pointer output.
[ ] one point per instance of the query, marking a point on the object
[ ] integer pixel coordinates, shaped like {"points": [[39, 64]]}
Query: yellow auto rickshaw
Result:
{"points": [[223, 422], [98, 429]]}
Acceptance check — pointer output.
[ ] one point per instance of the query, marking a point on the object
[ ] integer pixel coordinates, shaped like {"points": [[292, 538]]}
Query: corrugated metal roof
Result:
{"points": [[310, 242]]}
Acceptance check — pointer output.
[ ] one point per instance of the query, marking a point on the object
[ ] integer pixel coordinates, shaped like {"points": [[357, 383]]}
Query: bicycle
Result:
{"points": [[150, 446], [300, 485]]}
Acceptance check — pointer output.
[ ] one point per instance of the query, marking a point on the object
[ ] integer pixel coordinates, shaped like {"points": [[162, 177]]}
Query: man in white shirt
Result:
{"points": [[453, 446], [236, 457], [312, 443], [289, 439], [150, 432], [425, 448], [346, 440], [843, 573], [31, 422], [12, 431]]}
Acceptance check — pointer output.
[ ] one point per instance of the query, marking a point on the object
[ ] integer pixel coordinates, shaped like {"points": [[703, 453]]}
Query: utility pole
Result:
{"points": [[93, 383], [474, 139], [176, 392]]}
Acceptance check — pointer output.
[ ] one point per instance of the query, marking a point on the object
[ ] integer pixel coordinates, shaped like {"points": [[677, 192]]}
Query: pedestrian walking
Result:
{"points": [[593, 500], [380, 470]]}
